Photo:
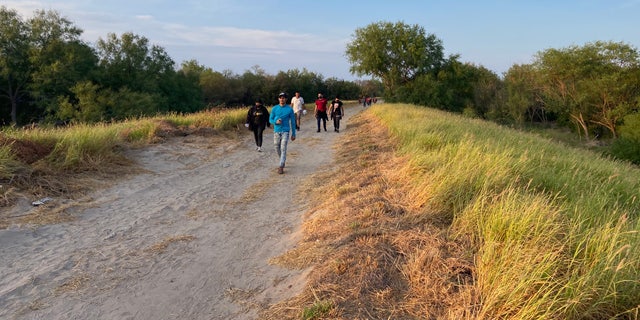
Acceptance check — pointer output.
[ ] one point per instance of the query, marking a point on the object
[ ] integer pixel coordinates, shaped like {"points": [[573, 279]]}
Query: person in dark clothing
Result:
{"points": [[257, 121], [337, 112]]}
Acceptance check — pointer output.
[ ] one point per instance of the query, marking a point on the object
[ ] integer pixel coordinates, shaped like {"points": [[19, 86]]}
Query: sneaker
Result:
{"points": [[280, 170], [297, 128], [259, 149], [318, 130], [338, 130]]}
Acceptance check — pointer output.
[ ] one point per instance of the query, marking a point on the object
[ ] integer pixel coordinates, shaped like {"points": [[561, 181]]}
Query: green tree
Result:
{"points": [[59, 60], [594, 86], [90, 103], [523, 100], [255, 82], [346, 90], [15, 69], [396, 53], [131, 65]]}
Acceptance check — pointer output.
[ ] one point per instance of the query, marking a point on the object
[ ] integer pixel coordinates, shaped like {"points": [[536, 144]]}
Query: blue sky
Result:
{"points": [[282, 34]]}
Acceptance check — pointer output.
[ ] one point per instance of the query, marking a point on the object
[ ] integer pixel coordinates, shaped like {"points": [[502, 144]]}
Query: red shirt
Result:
{"points": [[321, 104]]}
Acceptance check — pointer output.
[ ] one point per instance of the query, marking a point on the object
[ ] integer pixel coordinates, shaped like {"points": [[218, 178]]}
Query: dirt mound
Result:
{"points": [[26, 151]]}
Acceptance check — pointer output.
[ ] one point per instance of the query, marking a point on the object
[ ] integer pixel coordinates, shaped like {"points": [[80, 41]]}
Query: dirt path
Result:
{"points": [[188, 239]]}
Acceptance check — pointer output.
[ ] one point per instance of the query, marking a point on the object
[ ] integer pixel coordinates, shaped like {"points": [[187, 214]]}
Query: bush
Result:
{"points": [[627, 146], [626, 149]]}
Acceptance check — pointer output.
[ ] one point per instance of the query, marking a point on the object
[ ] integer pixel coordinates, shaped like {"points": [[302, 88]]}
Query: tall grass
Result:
{"points": [[83, 147], [554, 229]]}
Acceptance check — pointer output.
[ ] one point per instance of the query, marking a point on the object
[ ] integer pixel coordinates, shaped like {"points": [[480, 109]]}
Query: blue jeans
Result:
{"points": [[280, 141]]}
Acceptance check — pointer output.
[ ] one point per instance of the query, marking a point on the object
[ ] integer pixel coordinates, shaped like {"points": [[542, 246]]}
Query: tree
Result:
{"points": [[595, 85], [396, 53], [522, 96], [59, 60], [15, 69], [130, 61], [131, 66]]}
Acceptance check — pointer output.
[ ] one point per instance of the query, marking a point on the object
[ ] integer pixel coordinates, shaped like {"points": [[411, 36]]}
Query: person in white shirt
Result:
{"points": [[297, 103]]}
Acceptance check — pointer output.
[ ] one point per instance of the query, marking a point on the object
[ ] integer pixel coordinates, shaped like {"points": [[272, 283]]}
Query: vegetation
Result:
{"points": [[46, 160], [436, 214], [593, 90], [396, 53], [48, 75], [445, 217]]}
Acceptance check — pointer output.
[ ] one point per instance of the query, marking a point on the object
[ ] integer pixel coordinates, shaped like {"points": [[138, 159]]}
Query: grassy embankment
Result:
{"points": [[436, 216], [60, 161]]}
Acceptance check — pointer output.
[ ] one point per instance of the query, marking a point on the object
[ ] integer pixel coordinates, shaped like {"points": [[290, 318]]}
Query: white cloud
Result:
{"points": [[144, 17]]}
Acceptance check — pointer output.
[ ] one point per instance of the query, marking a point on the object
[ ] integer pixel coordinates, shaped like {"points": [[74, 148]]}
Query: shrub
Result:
{"points": [[627, 146]]}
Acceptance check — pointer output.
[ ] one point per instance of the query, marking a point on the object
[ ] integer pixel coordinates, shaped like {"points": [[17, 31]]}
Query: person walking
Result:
{"points": [[297, 103], [321, 111], [284, 124], [337, 112], [257, 121]]}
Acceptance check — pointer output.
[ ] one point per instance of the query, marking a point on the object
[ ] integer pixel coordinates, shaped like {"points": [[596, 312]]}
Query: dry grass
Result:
{"points": [[374, 255], [42, 182], [162, 246], [73, 284]]}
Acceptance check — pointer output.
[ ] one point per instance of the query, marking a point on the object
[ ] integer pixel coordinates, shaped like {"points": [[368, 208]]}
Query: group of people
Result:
{"points": [[286, 119]]}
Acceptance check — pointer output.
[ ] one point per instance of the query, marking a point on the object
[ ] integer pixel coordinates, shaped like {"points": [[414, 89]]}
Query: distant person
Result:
{"points": [[297, 103], [284, 124], [337, 112], [321, 111], [257, 121]]}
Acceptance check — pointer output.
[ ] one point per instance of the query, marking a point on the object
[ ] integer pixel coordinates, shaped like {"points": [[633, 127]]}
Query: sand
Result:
{"points": [[188, 238]]}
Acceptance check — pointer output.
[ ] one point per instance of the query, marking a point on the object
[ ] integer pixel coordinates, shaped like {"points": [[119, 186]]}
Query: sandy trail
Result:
{"points": [[188, 239]]}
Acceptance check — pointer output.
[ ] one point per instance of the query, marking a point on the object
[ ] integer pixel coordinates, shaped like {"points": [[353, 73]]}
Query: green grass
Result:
{"points": [[554, 229], [318, 310]]}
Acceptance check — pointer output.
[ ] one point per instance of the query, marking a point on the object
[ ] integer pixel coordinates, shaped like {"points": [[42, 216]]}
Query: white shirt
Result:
{"points": [[297, 104]]}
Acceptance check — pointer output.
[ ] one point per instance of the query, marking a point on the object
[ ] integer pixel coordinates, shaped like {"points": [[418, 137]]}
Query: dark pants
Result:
{"points": [[257, 134], [336, 122], [322, 116]]}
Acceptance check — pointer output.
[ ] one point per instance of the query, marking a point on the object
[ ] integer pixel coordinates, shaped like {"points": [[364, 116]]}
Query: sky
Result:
{"points": [[281, 35]]}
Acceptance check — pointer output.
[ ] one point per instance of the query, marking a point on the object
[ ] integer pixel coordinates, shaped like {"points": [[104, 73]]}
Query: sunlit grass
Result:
{"points": [[553, 228], [93, 147]]}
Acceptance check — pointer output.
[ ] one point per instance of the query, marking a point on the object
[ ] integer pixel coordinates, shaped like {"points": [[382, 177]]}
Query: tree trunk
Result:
{"points": [[582, 124]]}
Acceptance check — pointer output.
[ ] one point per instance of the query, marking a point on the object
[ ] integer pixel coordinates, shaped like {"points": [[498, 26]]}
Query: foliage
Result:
{"points": [[627, 147], [14, 60], [456, 87], [58, 59], [593, 86], [522, 102], [48, 75], [396, 53]]}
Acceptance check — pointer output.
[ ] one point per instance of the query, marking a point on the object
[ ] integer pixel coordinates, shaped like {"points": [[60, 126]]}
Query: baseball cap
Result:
{"points": [[282, 94]]}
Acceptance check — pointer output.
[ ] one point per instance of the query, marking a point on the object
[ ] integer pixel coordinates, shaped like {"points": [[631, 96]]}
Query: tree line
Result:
{"points": [[48, 74], [593, 90]]}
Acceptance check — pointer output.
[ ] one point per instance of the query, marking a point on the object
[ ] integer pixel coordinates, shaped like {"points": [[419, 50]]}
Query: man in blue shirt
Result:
{"points": [[284, 122]]}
